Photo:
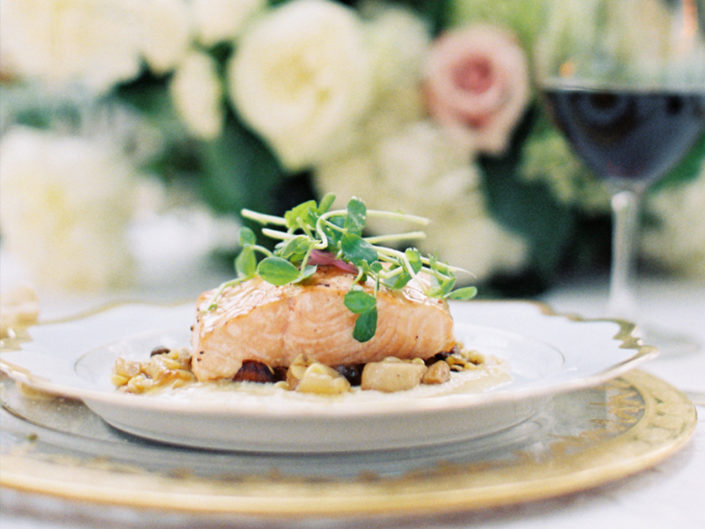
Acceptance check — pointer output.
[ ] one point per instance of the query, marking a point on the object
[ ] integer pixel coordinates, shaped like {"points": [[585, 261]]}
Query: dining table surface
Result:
{"points": [[670, 493]]}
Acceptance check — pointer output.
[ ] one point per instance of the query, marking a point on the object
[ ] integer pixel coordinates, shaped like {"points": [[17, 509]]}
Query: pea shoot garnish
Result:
{"points": [[312, 234]]}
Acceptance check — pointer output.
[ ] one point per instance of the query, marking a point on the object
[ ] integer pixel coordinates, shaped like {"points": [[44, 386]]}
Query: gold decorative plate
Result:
{"points": [[581, 439]]}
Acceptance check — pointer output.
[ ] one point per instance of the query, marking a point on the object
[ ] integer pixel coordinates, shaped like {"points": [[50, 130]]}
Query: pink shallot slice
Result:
{"points": [[319, 257]]}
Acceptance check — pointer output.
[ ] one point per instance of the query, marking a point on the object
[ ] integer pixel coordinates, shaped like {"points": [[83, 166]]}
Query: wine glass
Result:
{"points": [[624, 80]]}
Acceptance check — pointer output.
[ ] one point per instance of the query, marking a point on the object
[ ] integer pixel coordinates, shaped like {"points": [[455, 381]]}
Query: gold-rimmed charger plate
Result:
{"points": [[583, 439]]}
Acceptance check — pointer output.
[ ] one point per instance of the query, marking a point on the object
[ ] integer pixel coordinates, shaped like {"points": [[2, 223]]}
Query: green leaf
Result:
{"points": [[376, 267], [464, 293], [334, 236], [397, 282], [414, 257], [528, 208], [687, 169], [295, 248], [433, 13], [439, 266], [442, 286], [357, 216], [236, 170], [305, 214], [325, 203], [277, 271], [521, 16], [246, 263], [359, 301], [307, 272], [247, 236], [357, 250], [365, 326]]}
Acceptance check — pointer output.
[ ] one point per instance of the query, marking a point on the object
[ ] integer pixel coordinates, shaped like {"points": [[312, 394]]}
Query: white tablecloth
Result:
{"points": [[671, 494]]}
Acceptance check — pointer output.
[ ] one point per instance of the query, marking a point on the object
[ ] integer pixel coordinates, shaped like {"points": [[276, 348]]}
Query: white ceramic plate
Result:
{"points": [[544, 353]]}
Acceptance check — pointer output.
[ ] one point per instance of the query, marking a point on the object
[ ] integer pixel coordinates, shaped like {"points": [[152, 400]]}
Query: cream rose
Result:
{"points": [[219, 20], [97, 43], [477, 85], [64, 208], [197, 95], [63, 41], [165, 32], [300, 78]]}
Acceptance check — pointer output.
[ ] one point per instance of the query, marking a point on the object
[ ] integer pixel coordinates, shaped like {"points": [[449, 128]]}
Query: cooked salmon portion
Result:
{"points": [[258, 321]]}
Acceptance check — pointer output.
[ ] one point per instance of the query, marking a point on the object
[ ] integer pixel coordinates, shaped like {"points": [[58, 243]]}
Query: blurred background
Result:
{"points": [[134, 131]]}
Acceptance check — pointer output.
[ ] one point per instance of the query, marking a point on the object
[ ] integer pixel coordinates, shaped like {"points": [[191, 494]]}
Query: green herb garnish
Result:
{"points": [[314, 227]]}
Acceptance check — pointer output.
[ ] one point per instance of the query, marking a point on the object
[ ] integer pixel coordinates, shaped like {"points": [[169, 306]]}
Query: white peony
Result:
{"points": [[419, 171], [220, 20], [93, 42], [64, 207], [300, 78], [677, 239], [398, 41], [165, 31], [197, 95], [390, 112]]}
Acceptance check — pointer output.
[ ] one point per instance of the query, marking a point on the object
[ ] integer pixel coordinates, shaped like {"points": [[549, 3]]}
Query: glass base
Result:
{"points": [[668, 341]]}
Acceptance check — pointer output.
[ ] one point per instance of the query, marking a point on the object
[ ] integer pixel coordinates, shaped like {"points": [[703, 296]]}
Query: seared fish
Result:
{"points": [[258, 321]]}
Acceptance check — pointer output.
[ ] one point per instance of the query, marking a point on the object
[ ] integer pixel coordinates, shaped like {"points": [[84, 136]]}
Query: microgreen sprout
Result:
{"points": [[313, 227]]}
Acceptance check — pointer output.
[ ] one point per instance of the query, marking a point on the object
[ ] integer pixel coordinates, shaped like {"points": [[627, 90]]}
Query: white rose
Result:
{"points": [[300, 77], [61, 41], [165, 32], [677, 239], [219, 20], [64, 208], [419, 171], [197, 95]]}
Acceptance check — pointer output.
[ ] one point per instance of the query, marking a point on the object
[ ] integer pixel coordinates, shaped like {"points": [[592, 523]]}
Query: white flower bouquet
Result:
{"points": [[422, 106]]}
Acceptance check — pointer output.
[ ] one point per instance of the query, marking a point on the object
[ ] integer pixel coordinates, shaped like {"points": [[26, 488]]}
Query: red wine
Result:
{"points": [[628, 135]]}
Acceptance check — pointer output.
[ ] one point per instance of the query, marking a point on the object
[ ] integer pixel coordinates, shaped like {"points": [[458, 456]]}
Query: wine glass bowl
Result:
{"points": [[624, 80], [629, 136]]}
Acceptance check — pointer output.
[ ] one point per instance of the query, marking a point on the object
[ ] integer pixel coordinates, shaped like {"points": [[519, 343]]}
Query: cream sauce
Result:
{"points": [[492, 374]]}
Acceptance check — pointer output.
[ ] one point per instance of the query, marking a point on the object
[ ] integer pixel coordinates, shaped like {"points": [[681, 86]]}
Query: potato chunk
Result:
{"points": [[322, 380], [438, 373], [313, 377], [392, 374]]}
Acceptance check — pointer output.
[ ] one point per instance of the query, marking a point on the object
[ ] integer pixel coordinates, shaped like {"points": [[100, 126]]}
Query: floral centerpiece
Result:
{"points": [[425, 107]]}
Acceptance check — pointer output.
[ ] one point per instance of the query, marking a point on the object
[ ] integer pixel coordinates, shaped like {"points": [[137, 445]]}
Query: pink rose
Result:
{"points": [[477, 85]]}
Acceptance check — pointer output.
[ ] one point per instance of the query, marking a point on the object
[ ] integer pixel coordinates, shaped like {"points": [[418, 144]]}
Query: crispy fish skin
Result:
{"points": [[256, 320]]}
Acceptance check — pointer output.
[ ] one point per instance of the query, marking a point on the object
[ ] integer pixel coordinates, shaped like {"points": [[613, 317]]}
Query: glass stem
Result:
{"points": [[625, 218]]}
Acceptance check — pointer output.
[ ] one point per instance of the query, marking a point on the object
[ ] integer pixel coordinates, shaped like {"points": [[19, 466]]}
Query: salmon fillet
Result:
{"points": [[258, 321]]}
